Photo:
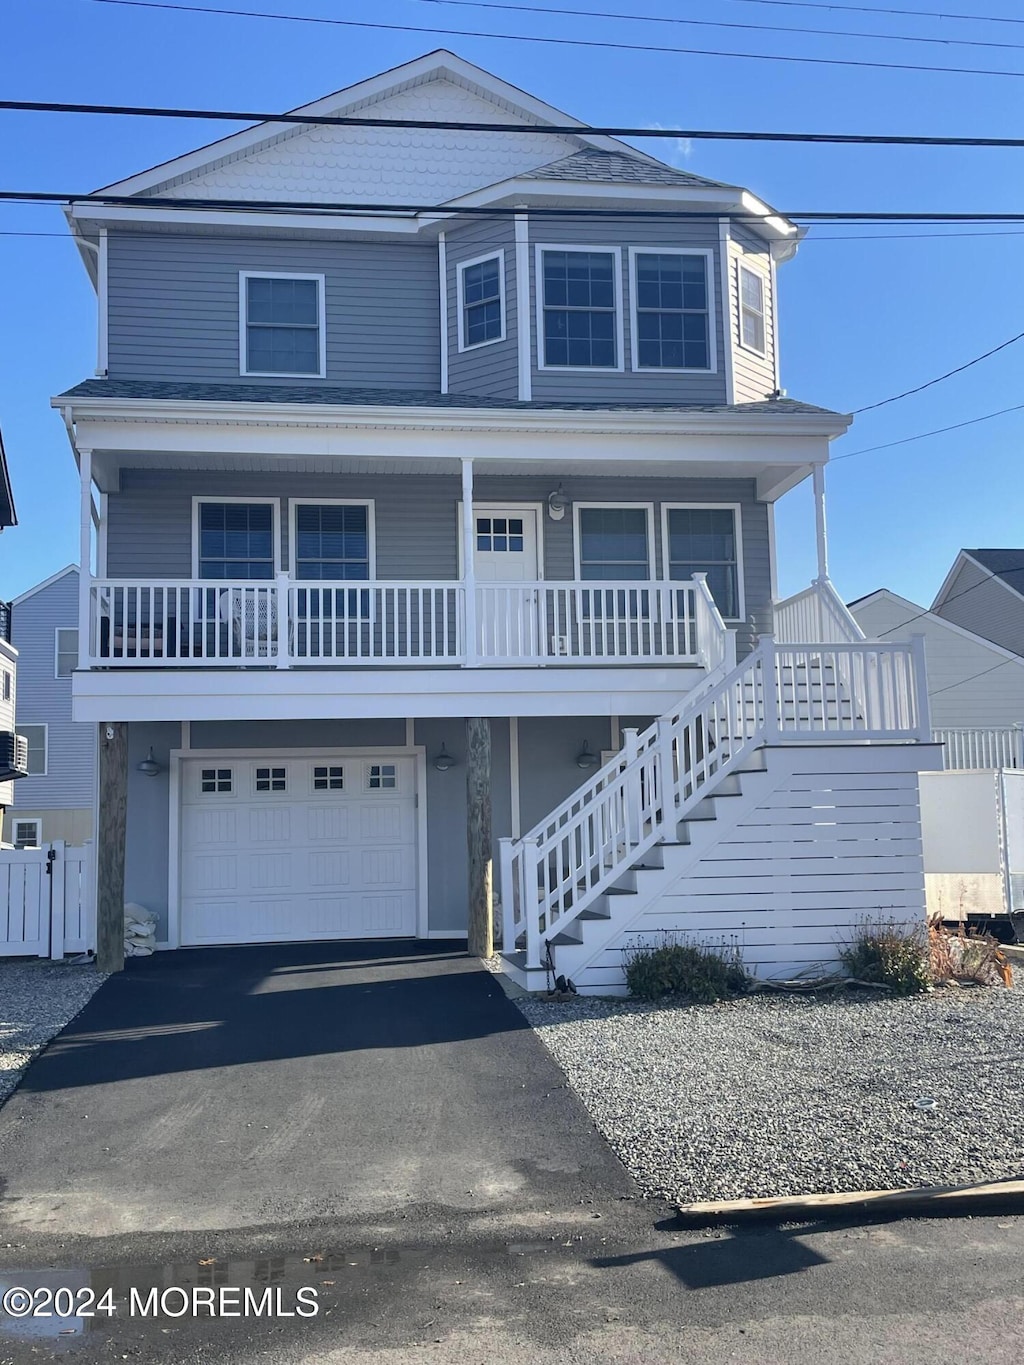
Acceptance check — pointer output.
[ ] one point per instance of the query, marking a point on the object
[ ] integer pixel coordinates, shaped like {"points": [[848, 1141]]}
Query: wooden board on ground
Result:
{"points": [[931, 1201]]}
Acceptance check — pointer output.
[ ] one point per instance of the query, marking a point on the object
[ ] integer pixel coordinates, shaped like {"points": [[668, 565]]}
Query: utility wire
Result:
{"points": [[533, 39], [922, 435], [547, 129], [989, 576], [881, 9], [907, 393]]}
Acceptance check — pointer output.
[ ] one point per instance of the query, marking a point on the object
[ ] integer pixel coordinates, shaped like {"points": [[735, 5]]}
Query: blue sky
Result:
{"points": [[860, 319]]}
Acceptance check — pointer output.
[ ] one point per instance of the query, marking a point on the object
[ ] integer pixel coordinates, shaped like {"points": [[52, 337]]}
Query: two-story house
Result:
{"points": [[398, 429]]}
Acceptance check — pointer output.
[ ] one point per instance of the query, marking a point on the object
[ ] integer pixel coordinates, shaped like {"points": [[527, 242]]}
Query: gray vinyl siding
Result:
{"points": [[491, 370], [174, 307], [980, 602], [628, 385], [46, 700], [417, 536], [753, 374]]}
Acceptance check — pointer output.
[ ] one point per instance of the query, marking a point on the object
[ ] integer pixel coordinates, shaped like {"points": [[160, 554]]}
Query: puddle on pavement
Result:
{"points": [[66, 1306]]}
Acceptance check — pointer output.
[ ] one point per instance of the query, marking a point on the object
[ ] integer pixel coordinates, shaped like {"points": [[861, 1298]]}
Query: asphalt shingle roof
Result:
{"points": [[1005, 564], [617, 168], [398, 398]]}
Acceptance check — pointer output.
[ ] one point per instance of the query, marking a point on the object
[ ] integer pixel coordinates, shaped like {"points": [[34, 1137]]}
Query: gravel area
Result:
{"points": [[785, 1096], [37, 999]]}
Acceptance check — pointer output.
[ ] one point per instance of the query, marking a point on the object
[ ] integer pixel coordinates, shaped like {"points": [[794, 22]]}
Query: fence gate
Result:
{"points": [[46, 901]]}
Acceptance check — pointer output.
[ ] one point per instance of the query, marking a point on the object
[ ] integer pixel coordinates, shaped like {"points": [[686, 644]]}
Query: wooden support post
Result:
{"points": [[110, 844], [478, 826]]}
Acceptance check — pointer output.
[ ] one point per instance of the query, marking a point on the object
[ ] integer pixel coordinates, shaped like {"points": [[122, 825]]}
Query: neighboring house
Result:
{"points": [[12, 752], [367, 486], [56, 799], [984, 592], [973, 812]]}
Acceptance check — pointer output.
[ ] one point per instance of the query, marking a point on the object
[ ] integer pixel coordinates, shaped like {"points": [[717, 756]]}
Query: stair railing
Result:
{"points": [[817, 615]]}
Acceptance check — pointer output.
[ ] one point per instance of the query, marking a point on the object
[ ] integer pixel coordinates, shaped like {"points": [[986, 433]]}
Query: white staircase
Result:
{"points": [[626, 841]]}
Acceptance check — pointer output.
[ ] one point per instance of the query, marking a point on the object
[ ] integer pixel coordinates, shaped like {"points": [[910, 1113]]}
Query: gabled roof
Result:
{"points": [[591, 164], [919, 614], [8, 516], [46, 583], [1005, 567]]}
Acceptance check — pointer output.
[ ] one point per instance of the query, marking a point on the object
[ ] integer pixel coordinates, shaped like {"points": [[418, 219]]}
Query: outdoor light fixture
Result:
{"points": [[444, 760], [586, 759], [149, 765], [557, 503]]}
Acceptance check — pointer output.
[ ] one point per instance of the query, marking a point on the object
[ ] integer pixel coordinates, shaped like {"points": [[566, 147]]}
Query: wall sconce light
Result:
{"points": [[444, 760], [149, 765], [586, 759], [558, 501]]}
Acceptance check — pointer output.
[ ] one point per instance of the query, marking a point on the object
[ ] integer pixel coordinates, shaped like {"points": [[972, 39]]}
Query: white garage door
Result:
{"points": [[280, 849]]}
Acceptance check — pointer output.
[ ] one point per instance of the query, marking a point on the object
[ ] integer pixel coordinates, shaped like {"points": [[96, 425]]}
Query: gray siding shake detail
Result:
{"points": [[43, 699], [491, 370], [150, 520], [174, 309], [628, 385]]}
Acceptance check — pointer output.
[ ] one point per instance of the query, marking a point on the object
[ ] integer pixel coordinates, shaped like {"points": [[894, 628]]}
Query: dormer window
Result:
{"points": [[282, 325], [751, 310], [672, 319], [481, 289]]}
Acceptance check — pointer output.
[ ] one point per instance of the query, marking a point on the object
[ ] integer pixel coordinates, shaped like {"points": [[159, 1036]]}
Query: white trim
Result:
{"points": [[102, 307], [773, 558], [199, 498], [101, 538], [820, 521], [46, 583], [648, 507], [442, 298], [177, 756], [371, 530], [17, 820], [513, 773], [514, 507], [538, 319], [524, 355], [57, 650], [497, 254], [774, 301], [37, 725], [709, 290], [85, 555], [725, 289], [763, 282], [736, 508], [244, 276]]}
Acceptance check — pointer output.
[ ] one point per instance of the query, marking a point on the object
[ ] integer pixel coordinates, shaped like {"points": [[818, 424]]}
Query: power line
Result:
{"points": [[907, 393], [561, 42], [713, 23], [981, 583], [922, 435], [547, 129], [881, 9]]}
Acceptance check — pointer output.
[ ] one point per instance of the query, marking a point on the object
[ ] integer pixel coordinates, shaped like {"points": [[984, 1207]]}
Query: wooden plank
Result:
{"points": [[935, 1201], [110, 844], [478, 830]]}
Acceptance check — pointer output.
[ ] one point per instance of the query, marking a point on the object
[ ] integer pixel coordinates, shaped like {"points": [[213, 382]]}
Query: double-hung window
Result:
{"points": [[331, 542], [481, 301], [672, 325], [579, 306], [613, 544], [35, 736], [752, 331], [236, 540], [703, 539], [282, 324], [66, 651]]}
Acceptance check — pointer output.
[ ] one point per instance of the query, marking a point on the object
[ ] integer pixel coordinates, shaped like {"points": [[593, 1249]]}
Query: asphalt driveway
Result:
{"points": [[235, 1088]]}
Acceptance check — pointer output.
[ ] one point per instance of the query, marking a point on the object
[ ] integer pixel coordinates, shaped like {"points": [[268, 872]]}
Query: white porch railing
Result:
{"points": [[981, 748], [187, 623], [817, 613], [778, 694]]}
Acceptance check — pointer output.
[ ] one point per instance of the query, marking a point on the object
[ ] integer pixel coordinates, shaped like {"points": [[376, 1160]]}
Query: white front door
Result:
{"points": [[507, 563], [285, 848]]}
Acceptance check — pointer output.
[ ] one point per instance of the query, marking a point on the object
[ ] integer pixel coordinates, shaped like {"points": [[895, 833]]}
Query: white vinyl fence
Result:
{"points": [[47, 906]]}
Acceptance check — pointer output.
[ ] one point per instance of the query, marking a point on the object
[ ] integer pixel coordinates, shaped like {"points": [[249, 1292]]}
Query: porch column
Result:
{"points": [[819, 522], [480, 938], [84, 557], [469, 563]]}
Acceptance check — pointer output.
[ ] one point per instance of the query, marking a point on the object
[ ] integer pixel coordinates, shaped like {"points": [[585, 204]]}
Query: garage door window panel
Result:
{"points": [[215, 781], [271, 780], [328, 778]]}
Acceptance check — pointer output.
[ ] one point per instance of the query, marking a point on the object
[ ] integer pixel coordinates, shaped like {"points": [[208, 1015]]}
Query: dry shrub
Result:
{"points": [[888, 954], [967, 955]]}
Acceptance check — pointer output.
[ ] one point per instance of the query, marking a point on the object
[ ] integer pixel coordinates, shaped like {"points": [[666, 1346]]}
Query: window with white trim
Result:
{"points": [[271, 780], [36, 738], [613, 543], [66, 649], [332, 541], [236, 540], [706, 540], [27, 833], [579, 309], [481, 302], [752, 329], [381, 776], [215, 780], [500, 535], [671, 311], [329, 778], [282, 324], [7, 685]]}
